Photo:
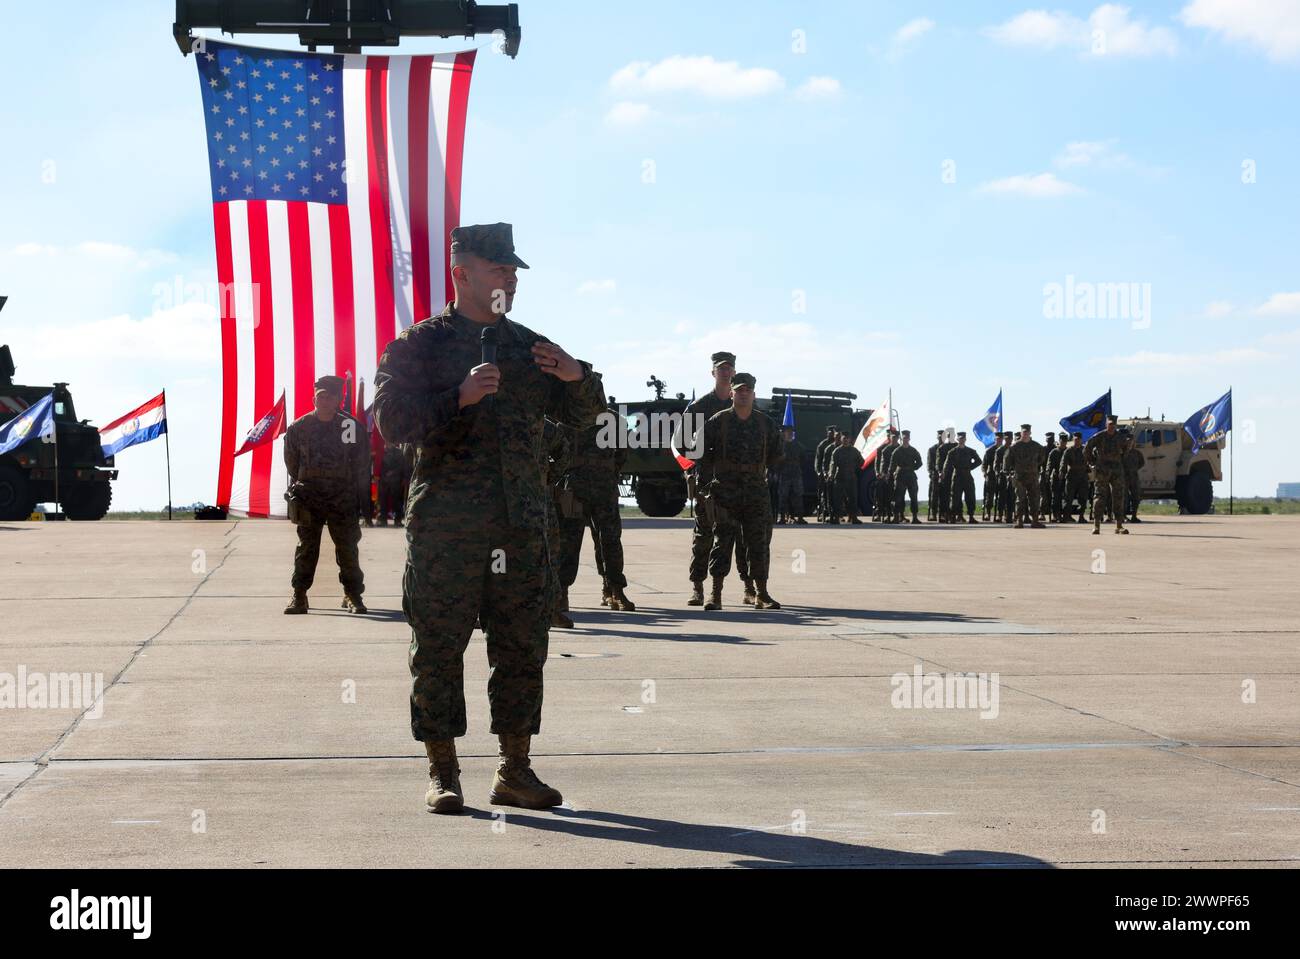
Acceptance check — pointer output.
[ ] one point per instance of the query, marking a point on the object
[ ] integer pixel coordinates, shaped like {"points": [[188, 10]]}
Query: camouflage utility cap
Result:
{"points": [[492, 241]]}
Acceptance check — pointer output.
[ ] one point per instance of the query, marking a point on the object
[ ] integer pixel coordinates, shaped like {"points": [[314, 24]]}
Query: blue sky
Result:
{"points": [[849, 196]]}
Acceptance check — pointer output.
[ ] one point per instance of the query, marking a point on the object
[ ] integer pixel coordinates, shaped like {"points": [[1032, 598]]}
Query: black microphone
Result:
{"points": [[488, 342]]}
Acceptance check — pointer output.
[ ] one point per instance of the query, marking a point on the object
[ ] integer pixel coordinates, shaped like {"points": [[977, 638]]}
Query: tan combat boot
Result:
{"points": [[353, 604], [444, 793], [605, 595], [715, 598], [515, 783], [618, 601], [764, 600], [298, 605], [749, 598], [697, 594]]}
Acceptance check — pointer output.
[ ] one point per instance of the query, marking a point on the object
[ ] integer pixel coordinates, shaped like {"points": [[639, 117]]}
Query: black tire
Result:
{"points": [[1200, 493], [16, 498], [89, 502], [655, 500]]}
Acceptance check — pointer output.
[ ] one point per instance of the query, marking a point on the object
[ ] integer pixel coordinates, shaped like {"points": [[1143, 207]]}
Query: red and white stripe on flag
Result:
{"points": [[311, 288]]}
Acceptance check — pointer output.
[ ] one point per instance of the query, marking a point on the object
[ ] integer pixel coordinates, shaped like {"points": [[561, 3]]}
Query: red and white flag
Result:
{"points": [[335, 184], [873, 434], [267, 430]]}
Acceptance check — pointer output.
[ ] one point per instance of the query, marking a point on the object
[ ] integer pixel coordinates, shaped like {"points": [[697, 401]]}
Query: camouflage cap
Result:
{"points": [[492, 241], [909, 433], [330, 384], [743, 379], [1026, 428], [940, 433], [830, 429], [722, 356], [961, 435], [1112, 418], [1078, 436]]}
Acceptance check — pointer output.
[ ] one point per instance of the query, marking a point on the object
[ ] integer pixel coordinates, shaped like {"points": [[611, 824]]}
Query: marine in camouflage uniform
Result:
{"points": [[1025, 460], [986, 468], [740, 446], [1104, 453], [945, 479], [477, 534], [555, 439], [1044, 479], [327, 456], [1006, 482], [1074, 466], [824, 468], [904, 464], [790, 497], [882, 506], [958, 465], [1133, 463], [846, 465], [1056, 479], [699, 412], [395, 475], [817, 470], [932, 466], [592, 478]]}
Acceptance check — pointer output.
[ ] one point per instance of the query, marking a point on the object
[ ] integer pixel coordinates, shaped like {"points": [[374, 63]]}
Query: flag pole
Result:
{"points": [[56, 467], [1232, 463], [168, 443]]}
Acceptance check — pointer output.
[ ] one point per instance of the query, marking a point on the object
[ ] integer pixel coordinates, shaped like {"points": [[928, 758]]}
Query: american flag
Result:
{"points": [[335, 184]]}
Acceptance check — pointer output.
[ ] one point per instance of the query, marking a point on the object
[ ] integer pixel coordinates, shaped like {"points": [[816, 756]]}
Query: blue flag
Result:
{"points": [[36, 420], [1089, 420], [986, 430], [1210, 423], [789, 414]]}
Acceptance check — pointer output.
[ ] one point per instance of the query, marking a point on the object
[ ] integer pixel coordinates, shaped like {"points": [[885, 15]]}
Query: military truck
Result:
{"points": [[1172, 470], [653, 476], [27, 473]]}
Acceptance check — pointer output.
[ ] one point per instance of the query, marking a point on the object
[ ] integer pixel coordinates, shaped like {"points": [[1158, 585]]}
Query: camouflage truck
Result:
{"points": [[651, 474], [1172, 470], [27, 473]]}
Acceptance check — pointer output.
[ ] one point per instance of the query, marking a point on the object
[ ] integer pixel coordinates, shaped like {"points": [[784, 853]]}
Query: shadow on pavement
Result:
{"points": [[757, 849]]}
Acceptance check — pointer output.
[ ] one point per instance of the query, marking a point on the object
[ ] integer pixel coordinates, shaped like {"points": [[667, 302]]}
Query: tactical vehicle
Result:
{"points": [[27, 473], [1172, 470], [653, 476]]}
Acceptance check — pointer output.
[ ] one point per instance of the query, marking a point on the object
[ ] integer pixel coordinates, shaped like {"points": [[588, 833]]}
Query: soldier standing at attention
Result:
{"points": [[327, 456], [932, 465], [1056, 479], [476, 525], [555, 441], [820, 473], [740, 446], [1075, 469], [1024, 460], [697, 414], [1104, 453], [1045, 508], [958, 464], [791, 473], [906, 461], [986, 467], [824, 464], [846, 463], [592, 478], [1133, 463], [883, 506], [392, 484], [945, 484], [1006, 481]]}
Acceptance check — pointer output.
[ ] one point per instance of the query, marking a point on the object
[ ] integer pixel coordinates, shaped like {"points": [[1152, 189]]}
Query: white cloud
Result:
{"points": [[597, 286], [105, 252], [1281, 304], [906, 37], [1032, 185], [625, 113], [1099, 153], [1108, 31], [1146, 361], [1270, 25], [1218, 309], [818, 88], [35, 249], [1291, 338], [725, 80]]}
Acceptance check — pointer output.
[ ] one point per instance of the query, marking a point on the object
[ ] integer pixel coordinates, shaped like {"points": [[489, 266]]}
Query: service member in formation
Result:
{"points": [[932, 466], [1104, 454], [883, 503], [818, 471], [958, 464], [1133, 463], [824, 465], [740, 446], [905, 462], [846, 464], [698, 413], [327, 455], [1074, 466], [945, 479], [1056, 479], [1024, 460], [393, 479], [1045, 508], [790, 497], [986, 468], [592, 478], [559, 506], [1006, 481], [476, 524]]}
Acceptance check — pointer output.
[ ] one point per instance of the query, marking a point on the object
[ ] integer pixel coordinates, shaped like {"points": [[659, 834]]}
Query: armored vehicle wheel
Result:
{"points": [[654, 500], [88, 502], [1199, 496], [16, 501]]}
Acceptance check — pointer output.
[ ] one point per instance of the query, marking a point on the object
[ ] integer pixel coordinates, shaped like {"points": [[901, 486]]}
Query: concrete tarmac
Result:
{"points": [[1145, 709]]}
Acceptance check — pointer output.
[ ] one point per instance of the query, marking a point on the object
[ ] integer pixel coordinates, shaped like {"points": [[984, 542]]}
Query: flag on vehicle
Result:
{"points": [[335, 185], [987, 429], [874, 432], [36, 420], [1210, 423], [146, 422], [266, 430], [1089, 420]]}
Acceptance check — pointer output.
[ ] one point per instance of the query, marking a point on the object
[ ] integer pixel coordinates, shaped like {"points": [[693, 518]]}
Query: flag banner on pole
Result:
{"points": [[335, 184], [788, 419], [36, 420], [1089, 420], [987, 429], [874, 433], [144, 423], [1210, 423], [685, 462], [266, 430]]}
